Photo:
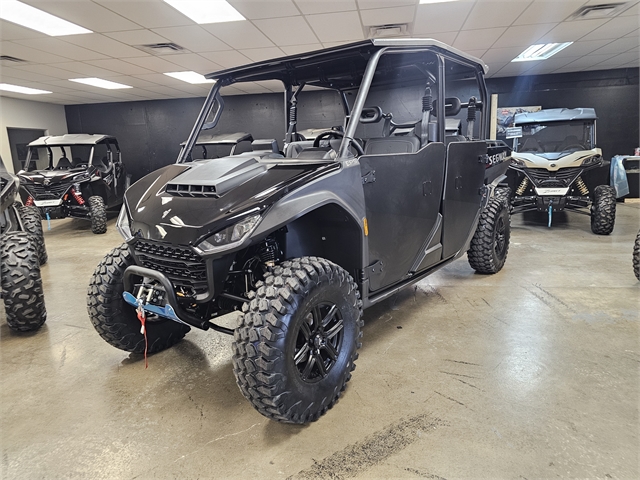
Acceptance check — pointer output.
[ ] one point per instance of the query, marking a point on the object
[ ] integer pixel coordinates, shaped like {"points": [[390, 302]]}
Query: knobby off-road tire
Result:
{"points": [[115, 320], [97, 214], [603, 210], [636, 256], [21, 282], [297, 339], [490, 243], [32, 223], [503, 192]]}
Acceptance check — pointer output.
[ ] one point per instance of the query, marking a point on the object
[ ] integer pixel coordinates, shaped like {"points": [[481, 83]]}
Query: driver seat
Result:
{"points": [[63, 164]]}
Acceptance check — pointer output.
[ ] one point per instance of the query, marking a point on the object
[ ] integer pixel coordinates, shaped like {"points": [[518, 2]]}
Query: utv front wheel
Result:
{"points": [[490, 244], [21, 282], [97, 214], [115, 320], [32, 223], [603, 210], [297, 340]]}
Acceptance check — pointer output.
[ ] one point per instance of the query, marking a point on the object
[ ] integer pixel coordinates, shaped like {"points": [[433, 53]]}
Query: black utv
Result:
{"points": [[302, 236], [22, 251], [74, 175]]}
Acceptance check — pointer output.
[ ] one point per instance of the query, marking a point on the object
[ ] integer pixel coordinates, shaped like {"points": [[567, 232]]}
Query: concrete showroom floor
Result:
{"points": [[529, 373]]}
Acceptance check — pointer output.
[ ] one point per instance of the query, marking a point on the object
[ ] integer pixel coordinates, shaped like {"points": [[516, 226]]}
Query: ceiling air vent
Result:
{"points": [[8, 58], [161, 48], [389, 30], [605, 10]]}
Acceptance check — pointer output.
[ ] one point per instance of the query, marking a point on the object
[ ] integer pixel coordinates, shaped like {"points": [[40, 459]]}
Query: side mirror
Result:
{"points": [[371, 115], [452, 107]]}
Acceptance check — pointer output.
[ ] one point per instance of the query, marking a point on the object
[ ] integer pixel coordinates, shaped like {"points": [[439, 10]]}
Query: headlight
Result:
{"points": [[122, 225], [81, 177], [591, 160], [231, 236]]}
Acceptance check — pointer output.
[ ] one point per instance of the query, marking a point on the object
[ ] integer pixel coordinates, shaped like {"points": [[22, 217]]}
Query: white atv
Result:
{"points": [[552, 150]]}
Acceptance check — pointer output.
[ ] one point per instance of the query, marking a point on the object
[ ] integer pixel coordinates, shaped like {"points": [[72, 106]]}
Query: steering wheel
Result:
{"points": [[336, 134]]}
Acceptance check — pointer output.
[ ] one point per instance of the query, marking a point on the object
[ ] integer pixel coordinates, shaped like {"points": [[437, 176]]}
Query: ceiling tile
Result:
{"points": [[309, 7], [105, 45], [578, 49], [631, 11], [25, 75], [501, 54], [619, 60], [618, 46], [228, 91], [260, 54], [86, 14], [155, 64], [228, 59], [49, 70], [273, 85], [255, 9], [132, 81], [444, 37], [148, 13], [337, 27], [173, 92], [365, 4], [588, 61], [137, 37], [239, 34], [119, 66], [12, 31], [571, 31], [287, 31], [59, 47], [193, 37], [85, 70], [614, 28], [440, 17], [494, 13], [514, 69], [192, 61], [30, 54], [548, 11], [523, 35], [297, 49], [252, 87], [385, 16], [473, 39]]}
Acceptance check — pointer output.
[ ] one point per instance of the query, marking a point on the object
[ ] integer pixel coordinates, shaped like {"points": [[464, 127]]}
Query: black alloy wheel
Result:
{"points": [[318, 343]]}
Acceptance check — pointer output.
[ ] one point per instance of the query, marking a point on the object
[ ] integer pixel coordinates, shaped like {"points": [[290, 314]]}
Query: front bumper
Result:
{"points": [[172, 309], [541, 203]]}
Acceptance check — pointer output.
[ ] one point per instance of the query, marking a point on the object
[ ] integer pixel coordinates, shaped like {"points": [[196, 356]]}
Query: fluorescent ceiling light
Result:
{"points": [[210, 11], [30, 17], [541, 51], [422, 2], [189, 77], [18, 89], [98, 82]]}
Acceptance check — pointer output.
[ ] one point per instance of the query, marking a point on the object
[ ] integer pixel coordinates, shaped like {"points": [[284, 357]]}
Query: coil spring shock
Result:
{"points": [[523, 186], [582, 187], [77, 196], [269, 253]]}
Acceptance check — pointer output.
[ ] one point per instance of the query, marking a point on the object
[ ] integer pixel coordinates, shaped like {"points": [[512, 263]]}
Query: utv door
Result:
{"points": [[402, 194], [462, 193]]}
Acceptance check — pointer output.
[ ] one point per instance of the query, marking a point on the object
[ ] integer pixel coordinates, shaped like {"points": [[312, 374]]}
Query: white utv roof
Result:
{"points": [[70, 139], [555, 115], [222, 139]]}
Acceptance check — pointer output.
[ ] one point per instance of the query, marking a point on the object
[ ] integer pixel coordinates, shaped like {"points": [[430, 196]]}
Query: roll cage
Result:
{"points": [[348, 68]]}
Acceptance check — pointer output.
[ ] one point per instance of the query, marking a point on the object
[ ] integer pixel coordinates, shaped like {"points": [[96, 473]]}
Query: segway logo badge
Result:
{"points": [[46, 182]]}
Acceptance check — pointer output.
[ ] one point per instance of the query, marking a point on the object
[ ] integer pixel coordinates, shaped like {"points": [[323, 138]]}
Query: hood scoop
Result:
{"points": [[214, 178]]}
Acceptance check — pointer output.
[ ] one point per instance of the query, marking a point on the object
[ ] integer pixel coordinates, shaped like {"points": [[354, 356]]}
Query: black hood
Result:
{"points": [[184, 203]]}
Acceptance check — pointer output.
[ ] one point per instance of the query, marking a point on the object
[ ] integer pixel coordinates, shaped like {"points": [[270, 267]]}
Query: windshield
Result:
{"points": [[556, 137], [62, 157]]}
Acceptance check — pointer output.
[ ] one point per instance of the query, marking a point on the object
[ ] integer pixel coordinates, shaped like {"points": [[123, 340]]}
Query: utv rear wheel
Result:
{"points": [[636, 257], [297, 340], [115, 320], [21, 282], [490, 244], [32, 223], [603, 210], [97, 214]]}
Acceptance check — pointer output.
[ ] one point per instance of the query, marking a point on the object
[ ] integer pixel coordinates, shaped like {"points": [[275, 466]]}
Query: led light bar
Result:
{"points": [[189, 77], [541, 51], [18, 89], [211, 11], [98, 82], [30, 17]]}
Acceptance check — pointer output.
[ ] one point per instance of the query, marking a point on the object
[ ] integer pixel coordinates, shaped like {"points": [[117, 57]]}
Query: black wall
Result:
{"points": [[150, 132]]}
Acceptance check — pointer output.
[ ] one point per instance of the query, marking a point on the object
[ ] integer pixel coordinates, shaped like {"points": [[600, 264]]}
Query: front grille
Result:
{"points": [[562, 178], [51, 192], [180, 264]]}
